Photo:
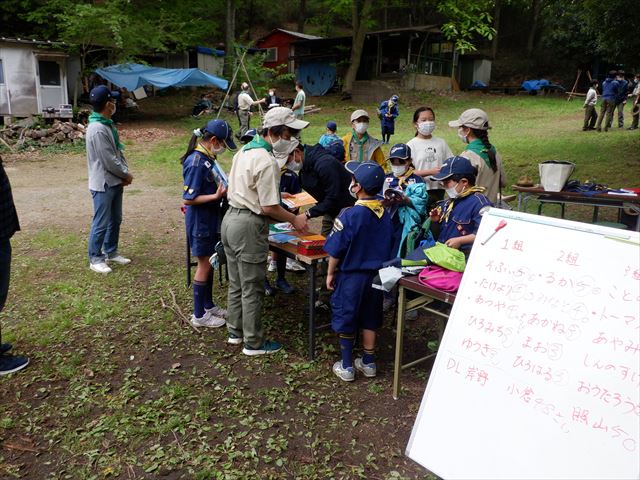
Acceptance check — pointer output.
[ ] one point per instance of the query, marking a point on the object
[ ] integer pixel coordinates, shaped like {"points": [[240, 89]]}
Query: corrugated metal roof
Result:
{"points": [[32, 41], [299, 35]]}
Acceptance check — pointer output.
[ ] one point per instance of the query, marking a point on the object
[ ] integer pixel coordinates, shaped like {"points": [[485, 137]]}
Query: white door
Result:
{"points": [[51, 90]]}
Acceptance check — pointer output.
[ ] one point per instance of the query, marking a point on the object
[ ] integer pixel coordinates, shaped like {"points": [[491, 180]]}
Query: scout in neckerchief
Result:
{"points": [[459, 216], [360, 242]]}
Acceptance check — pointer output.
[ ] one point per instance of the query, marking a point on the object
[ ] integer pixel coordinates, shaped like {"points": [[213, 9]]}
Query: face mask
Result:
{"points": [[353, 194], [462, 136], [282, 148], [361, 127], [452, 192], [398, 170], [218, 150], [115, 107], [294, 166], [271, 94], [426, 128]]}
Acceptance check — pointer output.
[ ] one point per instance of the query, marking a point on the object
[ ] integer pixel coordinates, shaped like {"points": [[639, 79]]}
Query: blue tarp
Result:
{"points": [[133, 75], [210, 51], [316, 77], [533, 85]]}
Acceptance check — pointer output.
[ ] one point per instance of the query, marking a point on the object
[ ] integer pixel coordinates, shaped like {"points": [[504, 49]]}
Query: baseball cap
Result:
{"points": [[336, 149], [369, 175], [454, 166], [282, 116], [333, 126], [472, 118], [101, 94], [222, 131], [248, 135], [359, 113], [400, 150], [394, 98]]}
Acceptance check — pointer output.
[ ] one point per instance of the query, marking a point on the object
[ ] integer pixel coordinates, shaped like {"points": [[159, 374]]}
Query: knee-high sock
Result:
{"points": [[208, 293], [199, 293], [346, 349]]}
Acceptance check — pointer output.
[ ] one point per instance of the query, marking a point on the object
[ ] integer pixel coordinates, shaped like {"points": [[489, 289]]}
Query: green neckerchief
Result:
{"points": [[374, 205], [257, 142], [463, 194], [479, 148], [365, 137], [96, 117]]}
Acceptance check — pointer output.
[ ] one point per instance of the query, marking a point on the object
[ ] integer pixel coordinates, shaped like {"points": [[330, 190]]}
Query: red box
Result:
{"points": [[310, 247]]}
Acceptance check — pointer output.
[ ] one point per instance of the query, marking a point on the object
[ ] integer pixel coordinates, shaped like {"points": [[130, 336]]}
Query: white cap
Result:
{"points": [[472, 118], [359, 113], [282, 116]]}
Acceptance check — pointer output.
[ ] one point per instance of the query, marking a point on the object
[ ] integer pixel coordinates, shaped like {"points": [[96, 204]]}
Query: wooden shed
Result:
{"points": [[280, 49]]}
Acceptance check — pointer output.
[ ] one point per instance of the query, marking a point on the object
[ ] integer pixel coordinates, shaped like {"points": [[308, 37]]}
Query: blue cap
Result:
{"points": [[336, 149], [394, 98], [248, 135], [101, 94], [369, 175], [400, 150], [333, 126], [454, 166], [222, 131]]}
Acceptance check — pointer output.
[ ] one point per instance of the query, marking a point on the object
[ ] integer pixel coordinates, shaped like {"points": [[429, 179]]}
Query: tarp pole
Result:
{"points": [[233, 80], [251, 85]]}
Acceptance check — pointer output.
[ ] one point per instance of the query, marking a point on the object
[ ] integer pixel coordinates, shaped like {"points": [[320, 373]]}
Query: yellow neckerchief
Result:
{"points": [[403, 178], [374, 205], [202, 149], [464, 193]]}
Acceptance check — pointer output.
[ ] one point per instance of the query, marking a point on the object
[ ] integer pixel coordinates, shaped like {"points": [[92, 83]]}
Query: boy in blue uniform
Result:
{"points": [[330, 136], [203, 192], [459, 216], [388, 113], [359, 244]]}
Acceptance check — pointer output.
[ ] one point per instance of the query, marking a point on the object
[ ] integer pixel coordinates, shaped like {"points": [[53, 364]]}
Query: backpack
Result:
{"points": [[440, 278]]}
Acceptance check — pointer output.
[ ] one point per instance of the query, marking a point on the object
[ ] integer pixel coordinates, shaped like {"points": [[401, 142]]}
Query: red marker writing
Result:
{"points": [[500, 226]]}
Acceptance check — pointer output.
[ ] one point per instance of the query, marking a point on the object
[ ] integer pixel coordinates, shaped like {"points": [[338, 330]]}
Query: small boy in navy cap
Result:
{"points": [[360, 242], [330, 136], [459, 216]]}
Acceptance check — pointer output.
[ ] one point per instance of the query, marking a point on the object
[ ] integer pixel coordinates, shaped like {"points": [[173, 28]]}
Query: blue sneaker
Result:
{"points": [[283, 285], [12, 363], [267, 347], [268, 290]]}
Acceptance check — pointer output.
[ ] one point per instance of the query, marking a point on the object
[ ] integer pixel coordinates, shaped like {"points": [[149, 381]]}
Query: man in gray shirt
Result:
{"points": [[108, 174]]}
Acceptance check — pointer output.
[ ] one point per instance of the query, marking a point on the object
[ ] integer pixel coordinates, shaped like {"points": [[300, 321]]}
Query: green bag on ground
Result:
{"points": [[446, 257]]}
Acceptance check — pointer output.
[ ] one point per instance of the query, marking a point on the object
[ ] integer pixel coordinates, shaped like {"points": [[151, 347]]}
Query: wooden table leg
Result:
{"points": [[397, 366], [312, 310]]}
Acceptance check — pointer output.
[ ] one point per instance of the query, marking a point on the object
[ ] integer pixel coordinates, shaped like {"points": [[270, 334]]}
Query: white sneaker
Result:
{"points": [[216, 311], [100, 267], [272, 267], [208, 321], [294, 265], [119, 259], [368, 369]]}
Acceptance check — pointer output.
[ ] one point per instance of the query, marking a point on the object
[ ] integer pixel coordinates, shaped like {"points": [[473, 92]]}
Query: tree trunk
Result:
{"points": [[536, 7], [359, 20], [302, 15], [229, 38], [496, 26]]}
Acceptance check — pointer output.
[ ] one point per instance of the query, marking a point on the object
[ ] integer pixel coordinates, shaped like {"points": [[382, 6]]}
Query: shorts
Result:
{"points": [[355, 304], [202, 246]]}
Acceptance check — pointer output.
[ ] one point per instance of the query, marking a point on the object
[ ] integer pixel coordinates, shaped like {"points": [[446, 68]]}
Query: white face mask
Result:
{"points": [[351, 187], [218, 150], [282, 148], [271, 94], [294, 166], [426, 128], [361, 127], [462, 136], [398, 170], [451, 191]]}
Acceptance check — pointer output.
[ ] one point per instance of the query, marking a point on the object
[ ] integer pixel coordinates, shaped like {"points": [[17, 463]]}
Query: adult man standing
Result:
{"points": [[108, 174], [254, 198], [621, 97], [245, 102], [299, 102], [609, 93], [635, 95], [8, 226], [359, 146]]}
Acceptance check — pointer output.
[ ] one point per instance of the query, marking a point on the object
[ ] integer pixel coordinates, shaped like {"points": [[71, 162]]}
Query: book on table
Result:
{"points": [[302, 199]]}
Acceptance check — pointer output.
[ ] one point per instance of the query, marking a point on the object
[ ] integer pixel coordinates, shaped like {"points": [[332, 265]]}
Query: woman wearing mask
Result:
{"points": [[359, 146], [271, 99], [428, 151], [473, 126], [203, 192]]}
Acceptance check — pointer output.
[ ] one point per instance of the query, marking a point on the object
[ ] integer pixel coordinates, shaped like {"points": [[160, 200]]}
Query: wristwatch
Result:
{"points": [[307, 214]]}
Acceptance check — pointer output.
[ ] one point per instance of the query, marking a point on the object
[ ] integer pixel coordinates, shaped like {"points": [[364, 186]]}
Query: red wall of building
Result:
{"points": [[281, 41]]}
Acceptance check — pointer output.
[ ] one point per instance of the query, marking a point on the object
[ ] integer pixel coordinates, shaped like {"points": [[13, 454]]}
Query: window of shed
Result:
{"points": [[272, 54], [49, 73]]}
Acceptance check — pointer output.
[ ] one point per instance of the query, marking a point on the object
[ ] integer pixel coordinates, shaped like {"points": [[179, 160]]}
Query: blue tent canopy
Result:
{"points": [[133, 75]]}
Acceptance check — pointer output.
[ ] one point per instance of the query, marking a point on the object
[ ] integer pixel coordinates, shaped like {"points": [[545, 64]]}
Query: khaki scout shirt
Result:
{"points": [[254, 180]]}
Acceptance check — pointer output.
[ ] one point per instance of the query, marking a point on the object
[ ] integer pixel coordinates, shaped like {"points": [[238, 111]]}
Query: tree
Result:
{"points": [[360, 18], [229, 38]]}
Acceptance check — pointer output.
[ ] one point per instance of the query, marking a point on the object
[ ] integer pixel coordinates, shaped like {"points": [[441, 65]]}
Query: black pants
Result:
{"points": [[5, 272]]}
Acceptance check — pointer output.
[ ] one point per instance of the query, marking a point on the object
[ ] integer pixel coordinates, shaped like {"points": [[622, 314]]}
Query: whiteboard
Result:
{"points": [[538, 372]]}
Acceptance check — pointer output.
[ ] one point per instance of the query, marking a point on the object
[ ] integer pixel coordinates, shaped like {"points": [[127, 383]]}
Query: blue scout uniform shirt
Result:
{"points": [[201, 220], [360, 239], [289, 183], [391, 181], [464, 218], [327, 139], [384, 109]]}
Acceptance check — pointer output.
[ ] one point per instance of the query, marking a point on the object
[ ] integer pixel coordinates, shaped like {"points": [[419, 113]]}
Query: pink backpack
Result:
{"points": [[440, 278]]}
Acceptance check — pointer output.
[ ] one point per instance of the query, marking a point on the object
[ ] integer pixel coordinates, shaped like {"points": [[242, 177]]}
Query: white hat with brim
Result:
{"points": [[472, 118], [359, 113], [282, 116]]}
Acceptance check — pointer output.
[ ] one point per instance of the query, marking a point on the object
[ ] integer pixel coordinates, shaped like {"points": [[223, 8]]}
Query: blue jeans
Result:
{"points": [[105, 227]]}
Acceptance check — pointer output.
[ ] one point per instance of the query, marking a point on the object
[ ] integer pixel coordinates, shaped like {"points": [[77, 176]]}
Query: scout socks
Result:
{"points": [[199, 294], [346, 349], [281, 266], [368, 356], [208, 293]]}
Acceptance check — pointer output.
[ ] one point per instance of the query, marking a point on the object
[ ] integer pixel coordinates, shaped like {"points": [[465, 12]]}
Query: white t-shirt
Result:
{"points": [[428, 153]]}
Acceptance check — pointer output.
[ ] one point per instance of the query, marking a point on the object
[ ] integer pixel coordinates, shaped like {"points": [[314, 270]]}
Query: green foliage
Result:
{"points": [[467, 21]]}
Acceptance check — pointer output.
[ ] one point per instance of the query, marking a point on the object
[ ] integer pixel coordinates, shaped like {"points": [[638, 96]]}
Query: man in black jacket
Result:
{"points": [[324, 177]]}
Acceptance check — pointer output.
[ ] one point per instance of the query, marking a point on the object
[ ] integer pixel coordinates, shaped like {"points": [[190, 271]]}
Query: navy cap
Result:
{"points": [[454, 166], [248, 135], [369, 175], [394, 98], [222, 131], [101, 94], [333, 126], [400, 150], [336, 149]]}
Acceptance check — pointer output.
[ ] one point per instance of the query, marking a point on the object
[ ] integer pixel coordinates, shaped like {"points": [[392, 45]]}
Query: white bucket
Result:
{"points": [[554, 174]]}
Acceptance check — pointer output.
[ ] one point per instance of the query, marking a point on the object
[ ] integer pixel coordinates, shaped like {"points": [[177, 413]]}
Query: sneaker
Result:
{"points": [[216, 311], [345, 374], [268, 290], [272, 267], [294, 266], [100, 267], [367, 369], [12, 363], [119, 259], [5, 347], [207, 321], [267, 347], [283, 285], [234, 339]]}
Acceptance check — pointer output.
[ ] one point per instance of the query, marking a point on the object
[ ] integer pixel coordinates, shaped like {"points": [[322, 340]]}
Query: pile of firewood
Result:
{"points": [[58, 132]]}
